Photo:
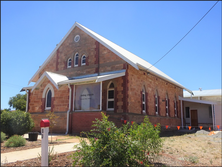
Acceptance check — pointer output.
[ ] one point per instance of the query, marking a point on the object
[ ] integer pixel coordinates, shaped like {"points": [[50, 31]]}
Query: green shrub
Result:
{"points": [[130, 145], [15, 141], [3, 136], [16, 122]]}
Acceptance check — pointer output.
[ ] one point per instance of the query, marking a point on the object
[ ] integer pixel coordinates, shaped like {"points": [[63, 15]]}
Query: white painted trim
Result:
{"points": [[67, 124], [27, 100], [101, 96], [48, 86], [181, 110]]}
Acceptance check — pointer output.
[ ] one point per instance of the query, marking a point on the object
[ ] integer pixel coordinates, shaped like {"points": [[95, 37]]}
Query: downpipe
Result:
{"points": [[70, 92]]}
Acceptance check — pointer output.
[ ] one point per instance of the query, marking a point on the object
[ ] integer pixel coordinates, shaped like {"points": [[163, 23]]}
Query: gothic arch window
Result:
{"points": [[156, 103], [69, 63], [167, 105], [48, 100], [76, 60], [83, 60], [110, 96], [143, 101], [48, 93], [175, 106]]}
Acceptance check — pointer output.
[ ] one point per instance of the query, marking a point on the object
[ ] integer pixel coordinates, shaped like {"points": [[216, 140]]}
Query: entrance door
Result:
{"points": [[194, 119]]}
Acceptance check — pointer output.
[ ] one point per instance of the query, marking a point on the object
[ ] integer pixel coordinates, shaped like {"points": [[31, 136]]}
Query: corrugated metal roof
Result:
{"points": [[129, 57], [198, 93]]}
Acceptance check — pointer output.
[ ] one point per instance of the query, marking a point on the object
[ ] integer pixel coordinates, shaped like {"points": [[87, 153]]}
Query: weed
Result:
{"points": [[211, 161], [193, 159], [15, 141], [209, 142], [51, 155]]}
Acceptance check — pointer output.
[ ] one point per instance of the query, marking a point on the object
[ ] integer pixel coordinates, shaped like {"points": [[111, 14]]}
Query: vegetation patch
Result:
{"points": [[15, 141]]}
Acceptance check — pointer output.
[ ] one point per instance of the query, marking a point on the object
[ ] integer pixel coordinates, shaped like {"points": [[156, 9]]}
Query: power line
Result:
{"points": [[185, 35]]}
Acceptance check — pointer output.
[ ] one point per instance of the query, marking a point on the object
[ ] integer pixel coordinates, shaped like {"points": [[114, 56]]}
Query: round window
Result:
{"points": [[77, 38]]}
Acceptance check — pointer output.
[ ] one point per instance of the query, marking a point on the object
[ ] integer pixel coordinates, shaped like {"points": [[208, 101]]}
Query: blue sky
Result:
{"points": [[31, 30]]}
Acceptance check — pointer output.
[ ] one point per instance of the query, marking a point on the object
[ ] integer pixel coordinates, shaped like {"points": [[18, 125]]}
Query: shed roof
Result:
{"points": [[198, 93], [129, 57]]}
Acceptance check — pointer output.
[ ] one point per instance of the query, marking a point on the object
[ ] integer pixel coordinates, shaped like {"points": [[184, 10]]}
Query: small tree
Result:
{"points": [[130, 145], [18, 102], [53, 120]]}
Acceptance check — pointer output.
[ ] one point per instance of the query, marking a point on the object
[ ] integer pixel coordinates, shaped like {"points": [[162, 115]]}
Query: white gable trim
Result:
{"points": [[54, 79]]}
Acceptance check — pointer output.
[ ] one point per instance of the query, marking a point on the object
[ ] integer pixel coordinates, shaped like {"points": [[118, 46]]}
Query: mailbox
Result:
{"points": [[44, 123]]}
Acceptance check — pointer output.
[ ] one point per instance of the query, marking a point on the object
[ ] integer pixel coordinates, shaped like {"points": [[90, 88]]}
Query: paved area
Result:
{"points": [[33, 153]]}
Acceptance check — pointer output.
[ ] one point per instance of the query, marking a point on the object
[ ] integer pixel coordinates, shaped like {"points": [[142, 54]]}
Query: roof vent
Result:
{"points": [[200, 89]]}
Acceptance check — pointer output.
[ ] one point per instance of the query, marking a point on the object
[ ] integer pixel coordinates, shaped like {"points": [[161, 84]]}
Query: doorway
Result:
{"points": [[194, 118]]}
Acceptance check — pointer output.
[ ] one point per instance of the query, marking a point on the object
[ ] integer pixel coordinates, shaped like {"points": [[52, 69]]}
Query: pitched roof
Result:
{"points": [[198, 93], [127, 56]]}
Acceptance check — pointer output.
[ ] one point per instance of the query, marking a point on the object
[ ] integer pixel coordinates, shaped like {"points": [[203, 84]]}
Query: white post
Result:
{"points": [[213, 118], [181, 108], [44, 124]]}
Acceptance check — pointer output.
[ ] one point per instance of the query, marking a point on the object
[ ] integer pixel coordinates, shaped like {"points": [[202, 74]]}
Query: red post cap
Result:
{"points": [[44, 123]]}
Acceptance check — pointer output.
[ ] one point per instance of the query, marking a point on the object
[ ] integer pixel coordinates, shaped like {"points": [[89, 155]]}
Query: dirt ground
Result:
{"points": [[179, 149]]}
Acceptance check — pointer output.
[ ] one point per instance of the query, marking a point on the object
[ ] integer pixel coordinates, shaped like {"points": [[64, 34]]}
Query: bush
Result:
{"points": [[15, 141], [16, 122], [3, 136], [130, 145]]}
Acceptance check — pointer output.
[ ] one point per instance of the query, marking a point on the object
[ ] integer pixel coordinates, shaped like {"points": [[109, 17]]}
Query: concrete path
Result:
{"points": [[33, 153]]}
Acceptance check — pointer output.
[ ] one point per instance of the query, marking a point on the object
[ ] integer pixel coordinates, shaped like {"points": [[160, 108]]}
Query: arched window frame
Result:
{"points": [[167, 105], [69, 63], [48, 100], [45, 93], [83, 60], [108, 98], [175, 107], [156, 103], [143, 101], [76, 60]]}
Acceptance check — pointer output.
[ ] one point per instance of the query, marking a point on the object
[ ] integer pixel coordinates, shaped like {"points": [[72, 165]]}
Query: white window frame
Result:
{"points": [[76, 65], [46, 99], [69, 66], [113, 99], [82, 64], [156, 103], [167, 105], [144, 101], [45, 93]]}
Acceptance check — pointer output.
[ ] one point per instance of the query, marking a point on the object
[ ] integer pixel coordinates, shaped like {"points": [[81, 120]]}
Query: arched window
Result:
{"points": [[48, 100], [69, 63], [156, 103], [167, 105], [110, 96], [83, 60], [76, 60], [48, 94], [175, 106], [143, 101]]}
